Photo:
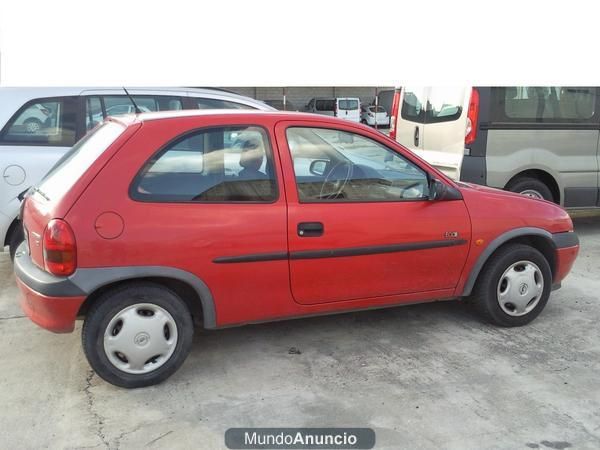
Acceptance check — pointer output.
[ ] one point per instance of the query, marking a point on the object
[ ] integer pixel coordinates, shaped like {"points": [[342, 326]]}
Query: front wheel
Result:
{"points": [[514, 286], [137, 335]]}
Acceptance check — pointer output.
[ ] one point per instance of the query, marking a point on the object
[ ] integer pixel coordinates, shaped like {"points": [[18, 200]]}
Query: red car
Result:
{"points": [[156, 221]]}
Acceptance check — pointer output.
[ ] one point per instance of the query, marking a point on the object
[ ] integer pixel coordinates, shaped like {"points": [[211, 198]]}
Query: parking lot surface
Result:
{"points": [[423, 376]]}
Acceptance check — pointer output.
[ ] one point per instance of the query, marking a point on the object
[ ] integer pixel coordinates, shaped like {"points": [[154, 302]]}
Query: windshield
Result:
{"points": [[76, 161]]}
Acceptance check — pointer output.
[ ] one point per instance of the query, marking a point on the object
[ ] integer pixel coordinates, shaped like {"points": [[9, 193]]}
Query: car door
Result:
{"points": [[360, 224], [444, 130], [410, 125]]}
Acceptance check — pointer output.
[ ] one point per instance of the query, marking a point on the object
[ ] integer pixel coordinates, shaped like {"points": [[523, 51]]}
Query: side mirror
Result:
{"points": [[318, 167], [439, 190]]}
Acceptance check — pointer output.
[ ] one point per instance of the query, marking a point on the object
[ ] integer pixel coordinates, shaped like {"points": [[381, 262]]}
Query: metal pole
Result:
{"points": [[284, 98], [376, 106]]}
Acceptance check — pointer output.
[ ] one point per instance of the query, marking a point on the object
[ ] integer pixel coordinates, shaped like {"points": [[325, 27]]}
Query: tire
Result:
{"points": [[513, 272], [33, 125], [119, 322], [532, 187], [15, 240]]}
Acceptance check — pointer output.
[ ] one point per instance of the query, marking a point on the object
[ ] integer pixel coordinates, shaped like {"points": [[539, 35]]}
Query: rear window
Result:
{"points": [[348, 104], [548, 104], [76, 161], [378, 108]]}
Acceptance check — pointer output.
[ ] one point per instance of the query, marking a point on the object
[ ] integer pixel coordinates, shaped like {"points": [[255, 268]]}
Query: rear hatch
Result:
{"points": [[61, 187]]}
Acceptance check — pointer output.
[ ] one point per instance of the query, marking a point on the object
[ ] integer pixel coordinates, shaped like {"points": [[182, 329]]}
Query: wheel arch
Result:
{"points": [[542, 175], [192, 290], [537, 238], [14, 225]]}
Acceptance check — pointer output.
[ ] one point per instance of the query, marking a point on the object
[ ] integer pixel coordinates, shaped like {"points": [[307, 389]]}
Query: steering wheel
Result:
{"points": [[337, 185]]}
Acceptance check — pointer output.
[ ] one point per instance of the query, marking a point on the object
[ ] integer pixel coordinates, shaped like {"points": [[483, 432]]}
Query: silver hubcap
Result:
{"points": [[32, 127], [140, 338], [520, 288], [532, 193]]}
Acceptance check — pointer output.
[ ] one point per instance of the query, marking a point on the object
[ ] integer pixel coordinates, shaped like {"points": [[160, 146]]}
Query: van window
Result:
{"points": [[348, 104], [444, 104], [412, 109], [226, 164], [325, 105], [49, 121], [550, 104], [76, 161]]}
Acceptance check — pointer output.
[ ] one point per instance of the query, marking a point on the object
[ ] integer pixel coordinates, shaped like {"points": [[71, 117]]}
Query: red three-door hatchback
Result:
{"points": [[158, 221]]}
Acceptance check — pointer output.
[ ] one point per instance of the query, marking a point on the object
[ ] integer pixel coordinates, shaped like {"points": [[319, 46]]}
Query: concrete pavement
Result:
{"points": [[425, 376]]}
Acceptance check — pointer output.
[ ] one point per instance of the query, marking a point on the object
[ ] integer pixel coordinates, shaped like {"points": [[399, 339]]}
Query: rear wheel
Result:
{"points": [[514, 286], [531, 187], [137, 335], [15, 240]]}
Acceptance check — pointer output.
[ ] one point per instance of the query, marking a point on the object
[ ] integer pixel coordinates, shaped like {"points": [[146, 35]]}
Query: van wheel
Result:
{"points": [[137, 335], [514, 286], [531, 187], [15, 240]]}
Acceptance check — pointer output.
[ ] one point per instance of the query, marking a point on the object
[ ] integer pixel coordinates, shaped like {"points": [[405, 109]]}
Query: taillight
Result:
{"points": [[394, 113], [472, 118], [60, 250]]}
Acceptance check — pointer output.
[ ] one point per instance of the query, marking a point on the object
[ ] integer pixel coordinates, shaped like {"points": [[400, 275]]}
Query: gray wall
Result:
{"points": [[300, 96]]}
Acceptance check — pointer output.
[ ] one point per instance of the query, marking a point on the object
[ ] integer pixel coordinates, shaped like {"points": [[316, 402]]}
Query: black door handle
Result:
{"points": [[416, 136], [310, 229]]}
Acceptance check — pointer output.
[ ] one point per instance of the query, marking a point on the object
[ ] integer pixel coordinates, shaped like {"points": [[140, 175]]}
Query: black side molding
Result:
{"points": [[339, 252]]}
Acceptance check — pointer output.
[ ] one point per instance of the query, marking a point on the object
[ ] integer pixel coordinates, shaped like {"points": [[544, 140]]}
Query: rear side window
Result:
{"points": [[348, 104], [215, 103], [49, 121], [79, 159], [325, 105], [549, 104], [232, 164]]}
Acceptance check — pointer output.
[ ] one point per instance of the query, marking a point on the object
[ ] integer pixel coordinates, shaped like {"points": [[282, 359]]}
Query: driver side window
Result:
{"points": [[337, 166]]}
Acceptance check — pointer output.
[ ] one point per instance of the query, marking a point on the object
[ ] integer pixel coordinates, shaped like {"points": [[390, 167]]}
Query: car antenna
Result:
{"points": [[137, 109]]}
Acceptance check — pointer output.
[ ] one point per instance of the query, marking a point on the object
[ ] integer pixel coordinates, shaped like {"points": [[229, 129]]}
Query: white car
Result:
{"points": [[39, 125], [347, 108], [374, 115]]}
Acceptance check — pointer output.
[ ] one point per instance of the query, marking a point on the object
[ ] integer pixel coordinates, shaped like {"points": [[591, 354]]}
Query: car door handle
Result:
{"points": [[416, 136], [310, 229]]}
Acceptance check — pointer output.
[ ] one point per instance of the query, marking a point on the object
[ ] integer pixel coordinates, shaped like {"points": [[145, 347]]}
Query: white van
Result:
{"points": [[347, 108], [432, 122], [39, 125], [539, 141]]}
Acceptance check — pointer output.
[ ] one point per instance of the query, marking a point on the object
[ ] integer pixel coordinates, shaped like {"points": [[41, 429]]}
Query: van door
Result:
{"points": [[445, 127], [409, 125], [348, 109]]}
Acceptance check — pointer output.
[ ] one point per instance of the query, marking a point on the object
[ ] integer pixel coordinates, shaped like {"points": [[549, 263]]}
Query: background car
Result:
{"points": [[347, 108], [39, 125], [374, 115]]}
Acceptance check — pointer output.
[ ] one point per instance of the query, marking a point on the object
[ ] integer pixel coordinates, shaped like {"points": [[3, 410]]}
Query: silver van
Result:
{"points": [[539, 141]]}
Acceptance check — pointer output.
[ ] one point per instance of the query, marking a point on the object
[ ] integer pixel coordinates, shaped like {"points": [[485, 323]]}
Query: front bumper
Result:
{"points": [[566, 251], [49, 301]]}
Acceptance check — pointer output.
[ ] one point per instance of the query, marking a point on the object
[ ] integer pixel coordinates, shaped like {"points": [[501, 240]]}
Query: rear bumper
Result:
{"points": [[50, 302]]}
